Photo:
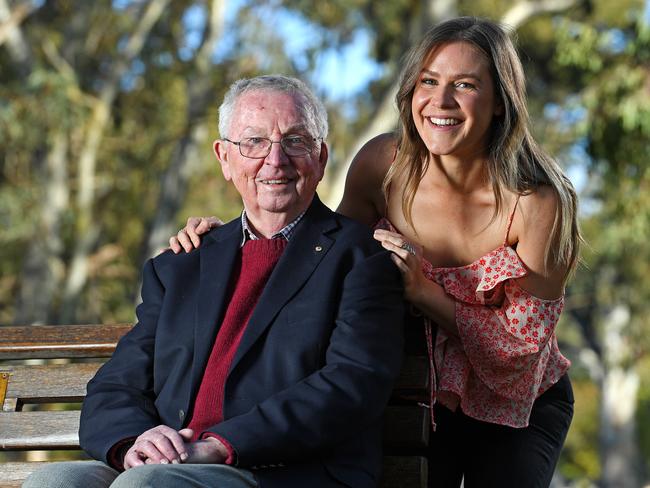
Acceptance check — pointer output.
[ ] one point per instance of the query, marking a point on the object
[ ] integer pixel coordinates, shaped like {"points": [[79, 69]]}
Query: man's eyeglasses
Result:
{"points": [[260, 147]]}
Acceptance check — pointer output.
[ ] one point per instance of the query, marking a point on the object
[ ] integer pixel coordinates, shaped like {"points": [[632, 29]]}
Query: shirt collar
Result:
{"points": [[286, 232]]}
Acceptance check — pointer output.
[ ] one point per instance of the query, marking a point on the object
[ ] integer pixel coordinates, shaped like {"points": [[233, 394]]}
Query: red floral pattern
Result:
{"points": [[507, 354]]}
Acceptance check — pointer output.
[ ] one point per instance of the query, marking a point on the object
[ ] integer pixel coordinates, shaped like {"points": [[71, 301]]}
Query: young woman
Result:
{"points": [[482, 224]]}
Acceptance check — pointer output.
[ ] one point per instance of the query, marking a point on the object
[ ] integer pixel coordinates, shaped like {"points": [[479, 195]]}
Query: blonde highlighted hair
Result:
{"points": [[515, 161]]}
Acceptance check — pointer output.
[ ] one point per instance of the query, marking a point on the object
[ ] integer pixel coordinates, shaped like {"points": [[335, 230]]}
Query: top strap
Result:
{"points": [[510, 219]]}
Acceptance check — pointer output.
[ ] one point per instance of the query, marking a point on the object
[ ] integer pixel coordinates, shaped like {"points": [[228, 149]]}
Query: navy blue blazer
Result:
{"points": [[315, 367]]}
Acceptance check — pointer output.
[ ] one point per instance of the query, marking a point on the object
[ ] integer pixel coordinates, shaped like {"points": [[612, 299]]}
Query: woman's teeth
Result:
{"points": [[437, 121]]}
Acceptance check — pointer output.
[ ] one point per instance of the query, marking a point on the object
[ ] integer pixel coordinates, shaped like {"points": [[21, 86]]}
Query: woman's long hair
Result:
{"points": [[515, 161]]}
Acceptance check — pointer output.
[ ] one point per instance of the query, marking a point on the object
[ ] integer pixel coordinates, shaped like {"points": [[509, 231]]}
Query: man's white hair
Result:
{"points": [[311, 107]]}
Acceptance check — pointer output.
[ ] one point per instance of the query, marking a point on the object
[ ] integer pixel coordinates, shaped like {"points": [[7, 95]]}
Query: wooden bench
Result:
{"points": [[24, 386]]}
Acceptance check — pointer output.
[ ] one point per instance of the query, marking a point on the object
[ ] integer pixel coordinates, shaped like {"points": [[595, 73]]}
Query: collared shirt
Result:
{"points": [[286, 232]]}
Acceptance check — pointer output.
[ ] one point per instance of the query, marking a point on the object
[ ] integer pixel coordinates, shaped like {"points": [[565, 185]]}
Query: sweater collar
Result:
{"points": [[286, 232]]}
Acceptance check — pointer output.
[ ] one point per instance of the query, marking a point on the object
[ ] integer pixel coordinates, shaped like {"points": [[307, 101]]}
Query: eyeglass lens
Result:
{"points": [[260, 147]]}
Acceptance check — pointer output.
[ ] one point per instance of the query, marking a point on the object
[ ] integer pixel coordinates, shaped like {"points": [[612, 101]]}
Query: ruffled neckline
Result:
{"points": [[473, 282], [509, 250]]}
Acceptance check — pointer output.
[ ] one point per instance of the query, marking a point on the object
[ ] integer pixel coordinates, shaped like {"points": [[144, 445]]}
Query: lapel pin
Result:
{"points": [[318, 248]]}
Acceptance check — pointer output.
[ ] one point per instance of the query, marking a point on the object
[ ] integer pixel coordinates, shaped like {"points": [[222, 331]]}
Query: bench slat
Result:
{"points": [[67, 382], [60, 341], [49, 383], [405, 427], [398, 472], [39, 430]]}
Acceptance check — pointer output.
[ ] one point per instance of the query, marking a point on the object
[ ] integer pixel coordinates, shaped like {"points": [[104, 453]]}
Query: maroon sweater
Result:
{"points": [[258, 258]]}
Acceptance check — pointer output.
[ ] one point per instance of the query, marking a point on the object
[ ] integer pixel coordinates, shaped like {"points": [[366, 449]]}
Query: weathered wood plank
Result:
{"points": [[49, 383], [67, 382], [60, 341], [39, 430], [406, 427]]}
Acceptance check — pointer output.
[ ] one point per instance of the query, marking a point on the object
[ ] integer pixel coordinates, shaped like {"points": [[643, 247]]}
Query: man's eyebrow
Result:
{"points": [[288, 130], [296, 128], [456, 75]]}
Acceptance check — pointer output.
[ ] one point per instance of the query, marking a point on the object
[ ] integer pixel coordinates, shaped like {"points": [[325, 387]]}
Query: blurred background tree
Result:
{"points": [[108, 110]]}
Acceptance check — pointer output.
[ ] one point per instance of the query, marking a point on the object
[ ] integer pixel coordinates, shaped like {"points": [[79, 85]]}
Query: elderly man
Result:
{"points": [[264, 358]]}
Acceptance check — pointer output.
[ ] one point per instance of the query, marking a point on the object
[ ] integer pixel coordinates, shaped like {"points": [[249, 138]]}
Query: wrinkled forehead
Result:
{"points": [[263, 111]]}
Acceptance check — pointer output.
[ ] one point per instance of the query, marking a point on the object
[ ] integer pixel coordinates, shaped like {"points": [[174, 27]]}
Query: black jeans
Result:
{"points": [[490, 455]]}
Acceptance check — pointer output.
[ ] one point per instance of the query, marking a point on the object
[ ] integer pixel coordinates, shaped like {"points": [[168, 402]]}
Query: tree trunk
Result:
{"points": [[87, 230], [43, 267], [620, 455], [12, 35], [173, 188], [385, 117]]}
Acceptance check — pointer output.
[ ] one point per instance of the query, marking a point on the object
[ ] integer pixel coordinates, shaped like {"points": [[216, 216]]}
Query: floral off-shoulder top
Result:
{"points": [[507, 354]]}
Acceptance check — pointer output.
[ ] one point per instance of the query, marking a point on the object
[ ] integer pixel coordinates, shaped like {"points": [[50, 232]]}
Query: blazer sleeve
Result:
{"points": [[120, 399], [352, 388]]}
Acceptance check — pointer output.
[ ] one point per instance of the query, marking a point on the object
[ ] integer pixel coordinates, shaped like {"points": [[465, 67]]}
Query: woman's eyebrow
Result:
{"points": [[456, 75]]}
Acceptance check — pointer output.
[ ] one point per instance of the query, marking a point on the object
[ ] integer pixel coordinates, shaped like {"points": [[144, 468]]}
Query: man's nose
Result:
{"points": [[276, 155]]}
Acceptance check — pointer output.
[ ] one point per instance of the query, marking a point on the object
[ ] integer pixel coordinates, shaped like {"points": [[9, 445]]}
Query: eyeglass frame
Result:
{"points": [[238, 144]]}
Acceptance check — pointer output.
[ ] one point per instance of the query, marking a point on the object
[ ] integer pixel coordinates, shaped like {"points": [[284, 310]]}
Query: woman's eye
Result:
{"points": [[464, 84], [428, 81]]}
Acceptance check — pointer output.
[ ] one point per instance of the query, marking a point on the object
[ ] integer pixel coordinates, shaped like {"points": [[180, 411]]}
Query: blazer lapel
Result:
{"points": [[217, 259], [302, 255]]}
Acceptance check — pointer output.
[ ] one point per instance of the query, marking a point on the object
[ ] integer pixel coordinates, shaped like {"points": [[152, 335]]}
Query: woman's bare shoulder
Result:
{"points": [[377, 154], [537, 214], [363, 197], [539, 206]]}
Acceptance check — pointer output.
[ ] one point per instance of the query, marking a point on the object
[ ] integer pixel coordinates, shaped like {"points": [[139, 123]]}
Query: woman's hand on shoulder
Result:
{"points": [[363, 198], [533, 225], [189, 237]]}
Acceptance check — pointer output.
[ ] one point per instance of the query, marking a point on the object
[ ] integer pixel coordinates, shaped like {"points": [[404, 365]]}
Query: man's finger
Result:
{"points": [[170, 447], [177, 444], [149, 450], [186, 434], [131, 459]]}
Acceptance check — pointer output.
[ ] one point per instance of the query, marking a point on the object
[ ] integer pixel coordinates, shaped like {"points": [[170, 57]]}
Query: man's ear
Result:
{"points": [[221, 153], [322, 158]]}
